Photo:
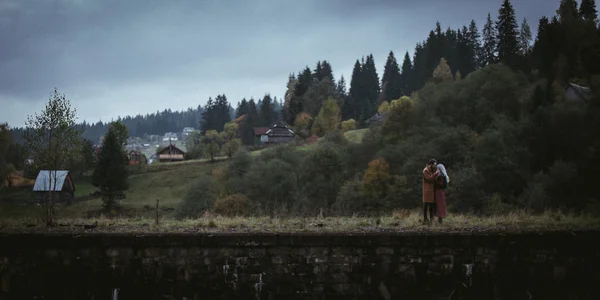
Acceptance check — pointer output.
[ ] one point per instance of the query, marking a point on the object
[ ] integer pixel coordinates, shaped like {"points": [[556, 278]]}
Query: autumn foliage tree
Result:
{"points": [[328, 119], [231, 142], [211, 143], [375, 183], [442, 72], [349, 125], [302, 124]]}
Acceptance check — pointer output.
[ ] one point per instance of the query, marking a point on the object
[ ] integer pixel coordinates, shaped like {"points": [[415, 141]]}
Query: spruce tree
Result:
{"points": [[489, 43], [242, 108], [251, 121], [292, 107], [507, 30], [110, 174], [567, 11], [341, 87], [372, 89], [525, 38], [419, 70], [350, 109], [317, 93], [465, 57], [406, 77], [475, 43], [326, 71], [267, 112], [318, 72], [588, 11], [390, 82]]}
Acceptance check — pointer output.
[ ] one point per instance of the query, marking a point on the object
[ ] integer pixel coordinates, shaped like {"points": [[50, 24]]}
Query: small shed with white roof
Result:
{"points": [[59, 181]]}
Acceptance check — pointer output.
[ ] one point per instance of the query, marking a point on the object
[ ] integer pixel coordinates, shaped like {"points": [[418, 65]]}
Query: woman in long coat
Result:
{"points": [[429, 175], [441, 182]]}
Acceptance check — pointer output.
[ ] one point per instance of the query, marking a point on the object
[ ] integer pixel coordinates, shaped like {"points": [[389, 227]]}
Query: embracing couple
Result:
{"points": [[435, 181]]}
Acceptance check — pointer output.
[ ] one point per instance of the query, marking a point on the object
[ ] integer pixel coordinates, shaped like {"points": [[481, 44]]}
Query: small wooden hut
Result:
{"points": [[136, 157], [59, 181]]}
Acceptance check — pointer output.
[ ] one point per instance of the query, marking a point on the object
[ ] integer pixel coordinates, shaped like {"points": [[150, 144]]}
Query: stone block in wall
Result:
{"points": [[384, 251]]}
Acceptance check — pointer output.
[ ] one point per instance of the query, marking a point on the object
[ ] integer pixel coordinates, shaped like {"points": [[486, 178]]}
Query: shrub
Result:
{"points": [[321, 176], [336, 138], [197, 200], [270, 185], [552, 190], [239, 164], [348, 125], [349, 200], [493, 205], [232, 205], [375, 182], [384, 107]]}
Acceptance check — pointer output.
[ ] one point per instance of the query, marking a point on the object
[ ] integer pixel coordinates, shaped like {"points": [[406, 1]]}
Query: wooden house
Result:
{"points": [[275, 134], [170, 153], [577, 93], [59, 181], [136, 157]]}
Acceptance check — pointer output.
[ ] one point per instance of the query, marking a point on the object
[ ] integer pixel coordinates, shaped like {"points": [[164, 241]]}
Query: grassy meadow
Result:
{"points": [[169, 182]]}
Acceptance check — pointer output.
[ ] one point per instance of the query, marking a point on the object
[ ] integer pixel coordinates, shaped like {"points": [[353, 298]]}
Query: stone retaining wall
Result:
{"points": [[301, 266]]}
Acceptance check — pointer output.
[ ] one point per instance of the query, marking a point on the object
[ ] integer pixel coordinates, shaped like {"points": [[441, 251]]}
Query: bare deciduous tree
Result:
{"points": [[51, 139]]}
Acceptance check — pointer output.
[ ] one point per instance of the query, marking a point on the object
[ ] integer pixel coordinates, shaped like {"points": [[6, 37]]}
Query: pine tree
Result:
{"points": [[475, 42], [318, 72], [242, 108], [326, 71], [567, 11], [251, 121], [489, 42], [406, 77], [588, 11], [372, 89], [292, 104], [317, 93], [267, 112], [350, 109], [507, 30], [341, 87], [525, 38], [464, 52], [419, 70], [110, 174], [391, 79]]}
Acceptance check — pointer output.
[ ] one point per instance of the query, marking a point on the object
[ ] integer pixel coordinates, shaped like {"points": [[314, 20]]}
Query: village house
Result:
{"points": [[170, 154], [276, 134], [574, 92], [187, 131], [59, 181], [136, 157]]}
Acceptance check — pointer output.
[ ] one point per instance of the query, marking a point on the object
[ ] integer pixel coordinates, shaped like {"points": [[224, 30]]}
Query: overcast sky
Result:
{"points": [[123, 57]]}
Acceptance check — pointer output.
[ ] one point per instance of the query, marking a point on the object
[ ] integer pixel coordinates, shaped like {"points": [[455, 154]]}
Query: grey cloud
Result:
{"points": [[123, 57]]}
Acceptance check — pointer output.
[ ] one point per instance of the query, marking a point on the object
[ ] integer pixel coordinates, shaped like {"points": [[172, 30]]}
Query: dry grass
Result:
{"points": [[399, 223], [167, 182]]}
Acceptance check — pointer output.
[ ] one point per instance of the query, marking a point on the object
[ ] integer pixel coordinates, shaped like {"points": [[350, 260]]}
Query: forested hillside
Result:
{"points": [[493, 109]]}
